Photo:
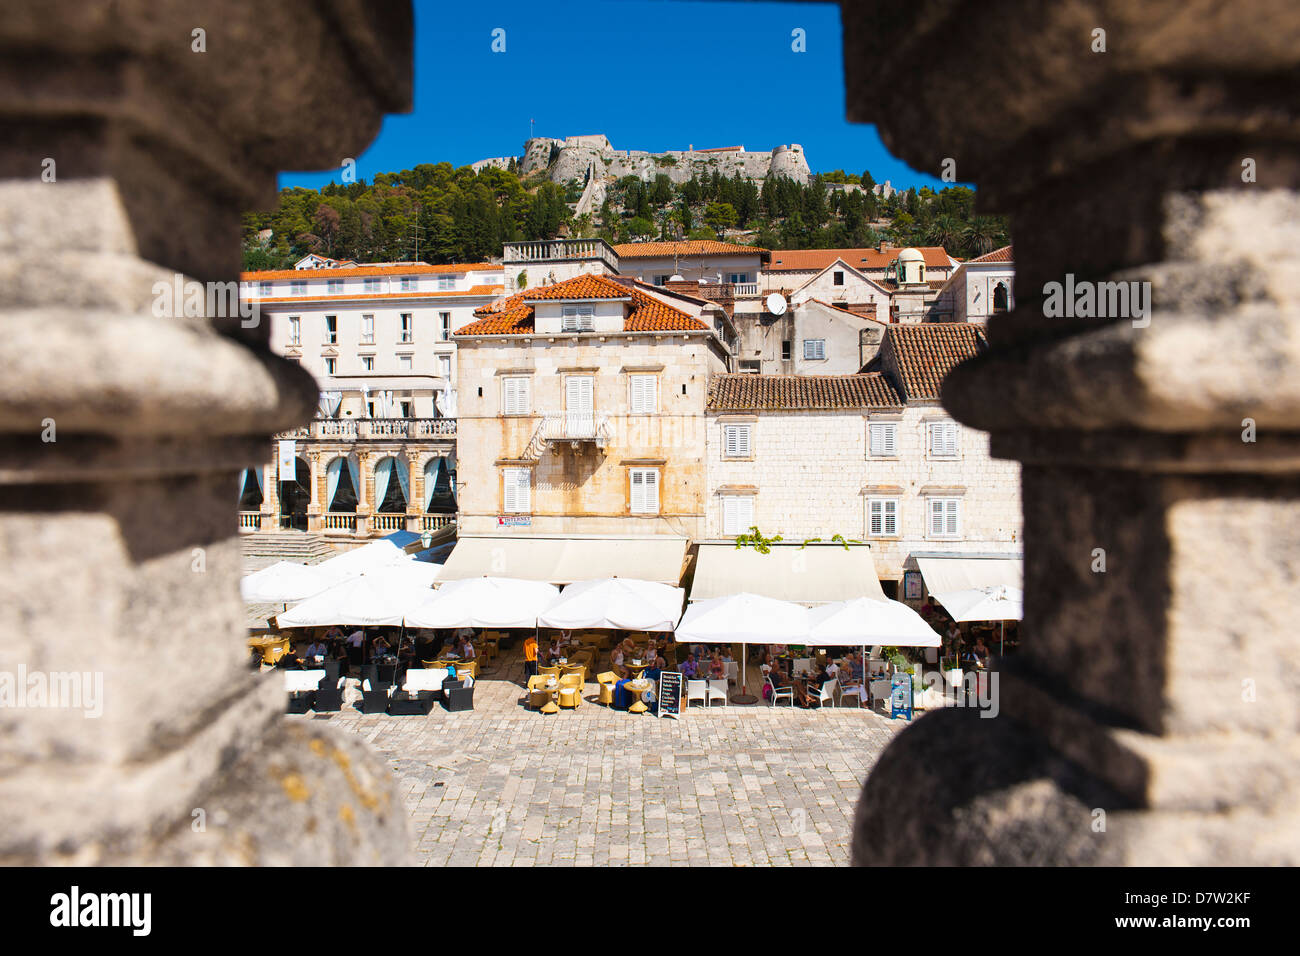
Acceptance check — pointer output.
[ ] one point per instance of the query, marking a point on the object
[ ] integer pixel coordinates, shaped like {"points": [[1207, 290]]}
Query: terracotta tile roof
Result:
{"points": [[926, 353], [579, 287], [997, 255], [349, 272], [687, 247], [514, 315], [477, 290], [742, 392], [815, 260]]}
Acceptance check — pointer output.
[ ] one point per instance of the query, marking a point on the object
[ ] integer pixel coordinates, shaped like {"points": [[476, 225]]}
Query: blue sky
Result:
{"points": [[650, 74]]}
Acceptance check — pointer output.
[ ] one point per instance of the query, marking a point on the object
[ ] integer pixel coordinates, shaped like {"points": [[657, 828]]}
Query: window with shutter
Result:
{"points": [[737, 514], [645, 491], [943, 440], [736, 441], [945, 517], [883, 517], [516, 485], [578, 318], [514, 400], [884, 439], [814, 349], [642, 389]]}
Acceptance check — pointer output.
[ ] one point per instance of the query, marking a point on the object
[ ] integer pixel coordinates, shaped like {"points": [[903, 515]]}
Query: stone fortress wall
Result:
{"points": [[572, 158]]}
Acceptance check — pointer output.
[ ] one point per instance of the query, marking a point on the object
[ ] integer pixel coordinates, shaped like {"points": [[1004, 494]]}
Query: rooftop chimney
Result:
{"points": [[885, 244]]}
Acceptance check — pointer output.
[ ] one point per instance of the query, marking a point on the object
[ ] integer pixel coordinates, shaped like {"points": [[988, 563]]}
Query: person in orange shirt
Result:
{"points": [[530, 656]]}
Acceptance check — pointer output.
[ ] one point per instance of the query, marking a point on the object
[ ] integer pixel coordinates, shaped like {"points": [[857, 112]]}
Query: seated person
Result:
{"points": [[555, 652], [688, 667], [980, 652], [379, 648], [316, 648], [466, 649], [806, 690], [290, 660], [717, 669]]}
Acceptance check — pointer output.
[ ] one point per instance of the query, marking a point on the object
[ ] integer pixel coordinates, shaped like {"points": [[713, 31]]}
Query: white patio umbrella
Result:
{"points": [[381, 596], [867, 621], [368, 557], [999, 602], [484, 602], [619, 603], [282, 583], [744, 619]]}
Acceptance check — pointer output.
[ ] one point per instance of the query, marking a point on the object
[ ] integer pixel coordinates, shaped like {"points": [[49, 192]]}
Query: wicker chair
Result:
{"points": [[571, 690], [607, 680]]}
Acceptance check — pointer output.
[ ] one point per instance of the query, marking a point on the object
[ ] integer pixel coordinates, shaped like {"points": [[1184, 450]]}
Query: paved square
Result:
{"points": [[506, 786]]}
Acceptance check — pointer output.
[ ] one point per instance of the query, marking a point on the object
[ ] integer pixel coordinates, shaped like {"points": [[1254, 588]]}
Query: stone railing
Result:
{"points": [[339, 522], [561, 250], [746, 290], [354, 429], [435, 522], [250, 520], [388, 522]]}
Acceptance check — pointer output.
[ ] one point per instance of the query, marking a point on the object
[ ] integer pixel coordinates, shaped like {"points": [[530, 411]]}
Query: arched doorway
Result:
{"points": [[250, 490], [342, 478], [295, 497], [440, 486], [392, 485]]}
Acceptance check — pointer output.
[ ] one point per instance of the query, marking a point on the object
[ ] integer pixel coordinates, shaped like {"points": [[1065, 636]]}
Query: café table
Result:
{"points": [[551, 688], [636, 688]]}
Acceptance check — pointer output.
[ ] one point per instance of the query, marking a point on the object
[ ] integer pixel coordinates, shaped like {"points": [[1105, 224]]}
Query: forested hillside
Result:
{"points": [[437, 213]]}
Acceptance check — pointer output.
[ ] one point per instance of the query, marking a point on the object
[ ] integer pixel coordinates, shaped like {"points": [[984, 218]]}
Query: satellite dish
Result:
{"points": [[776, 303]]}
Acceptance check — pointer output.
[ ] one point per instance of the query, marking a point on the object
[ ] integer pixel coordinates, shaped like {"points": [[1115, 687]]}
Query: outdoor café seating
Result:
{"points": [[458, 695], [776, 694], [571, 689], [606, 682], [374, 699]]}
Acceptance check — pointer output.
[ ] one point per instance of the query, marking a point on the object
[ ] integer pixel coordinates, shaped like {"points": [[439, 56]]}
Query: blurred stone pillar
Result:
{"points": [[136, 135], [1152, 716]]}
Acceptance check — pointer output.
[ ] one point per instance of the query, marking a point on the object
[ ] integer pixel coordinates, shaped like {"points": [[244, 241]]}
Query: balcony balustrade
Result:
{"points": [[573, 427], [354, 429]]}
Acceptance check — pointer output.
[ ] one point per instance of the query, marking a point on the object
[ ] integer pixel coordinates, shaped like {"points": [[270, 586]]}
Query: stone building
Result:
{"points": [[582, 413], [977, 289], [889, 466], [789, 269]]}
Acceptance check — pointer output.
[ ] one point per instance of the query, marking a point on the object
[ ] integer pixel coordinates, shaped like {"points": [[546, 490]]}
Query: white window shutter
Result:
{"points": [[951, 516], [728, 515], [746, 513], [891, 517], [877, 521]]}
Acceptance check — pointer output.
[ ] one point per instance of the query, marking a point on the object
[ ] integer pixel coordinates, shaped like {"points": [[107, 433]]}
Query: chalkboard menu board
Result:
{"points": [[670, 694], [900, 696]]}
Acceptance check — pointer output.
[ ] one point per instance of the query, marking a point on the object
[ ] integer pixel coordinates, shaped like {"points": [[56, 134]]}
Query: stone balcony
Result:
{"points": [[572, 427], [561, 250], [373, 429]]}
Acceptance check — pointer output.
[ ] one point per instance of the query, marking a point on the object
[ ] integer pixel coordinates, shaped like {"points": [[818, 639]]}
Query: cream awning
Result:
{"points": [[563, 560], [961, 573], [816, 574]]}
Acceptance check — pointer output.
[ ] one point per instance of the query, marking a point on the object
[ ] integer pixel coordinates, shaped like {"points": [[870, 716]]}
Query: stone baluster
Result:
{"points": [[1152, 715], [134, 142]]}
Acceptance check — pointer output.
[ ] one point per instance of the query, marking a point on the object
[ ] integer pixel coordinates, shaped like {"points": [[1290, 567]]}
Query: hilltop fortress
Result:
{"points": [[593, 158]]}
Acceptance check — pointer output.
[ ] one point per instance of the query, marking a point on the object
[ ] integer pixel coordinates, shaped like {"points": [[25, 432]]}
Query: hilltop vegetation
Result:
{"points": [[436, 213]]}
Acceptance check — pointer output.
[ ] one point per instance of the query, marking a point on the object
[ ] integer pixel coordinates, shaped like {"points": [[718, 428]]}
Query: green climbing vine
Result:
{"points": [[756, 540]]}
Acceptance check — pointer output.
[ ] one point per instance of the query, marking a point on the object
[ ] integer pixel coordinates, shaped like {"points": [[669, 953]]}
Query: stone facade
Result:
{"points": [[810, 475], [129, 158], [1155, 695], [583, 485]]}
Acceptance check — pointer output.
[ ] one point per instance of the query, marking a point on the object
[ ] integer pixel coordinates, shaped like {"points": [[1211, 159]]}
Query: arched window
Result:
{"points": [[392, 485], [1000, 297]]}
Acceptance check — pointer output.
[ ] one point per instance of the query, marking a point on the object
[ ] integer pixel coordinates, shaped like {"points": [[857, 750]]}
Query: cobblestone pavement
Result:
{"points": [[506, 786]]}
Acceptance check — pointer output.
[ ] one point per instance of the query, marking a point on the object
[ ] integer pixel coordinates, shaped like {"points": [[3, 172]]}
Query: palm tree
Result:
{"points": [[984, 234], [945, 231]]}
